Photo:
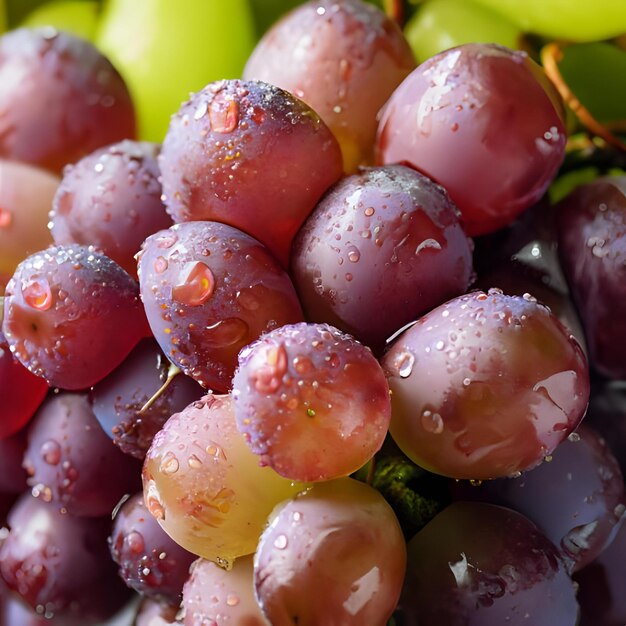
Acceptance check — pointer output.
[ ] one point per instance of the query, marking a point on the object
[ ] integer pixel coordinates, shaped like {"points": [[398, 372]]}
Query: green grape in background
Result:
{"points": [[72, 16], [576, 20], [3, 18], [266, 12], [166, 49], [441, 24]]}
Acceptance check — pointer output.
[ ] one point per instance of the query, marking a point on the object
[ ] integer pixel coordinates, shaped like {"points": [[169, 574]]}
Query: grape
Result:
{"points": [[12, 474], [26, 193], [220, 597], [333, 555], [311, 401], [233, 139], [150, 562], [592, 248], [165, 50], [478, 564], [443, 24], [473, 102], [111, 199], [601, 591], [209, 290], [485, 386], [21, 393], [205, 487], [61, 99], [59, 564], [78, 18], [155, 613], [71, 462], [71, 315], [577, 499], [575, 21], [383, 247], [344, 59], [119, 400]]}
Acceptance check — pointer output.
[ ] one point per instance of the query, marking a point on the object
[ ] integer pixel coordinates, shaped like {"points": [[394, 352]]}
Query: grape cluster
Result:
{"points": [[317, 353]]}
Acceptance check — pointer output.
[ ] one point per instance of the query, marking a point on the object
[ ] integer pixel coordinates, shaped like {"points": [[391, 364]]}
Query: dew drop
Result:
{"points": [[51, 452], [432, 422], [196, 286], [280, 542], [354, 255], [169, 464], [160, 264], [135, 542], [37, 294], [232, 599], [166, 240], [405, 364], [224, 114]]}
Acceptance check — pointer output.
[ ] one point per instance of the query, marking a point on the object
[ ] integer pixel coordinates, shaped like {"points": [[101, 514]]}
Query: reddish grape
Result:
{"points": [[60, 564], [71, 462], [111, 199], [383, 247], [577, 499], [150, 562], [250, 155], [119, 399], [71, 315], [478, 564], [60, 100], [496, 112], [335, 554], [26, 194], [209, 290], [21, 392], [485, 386], [311, 401], [12, 474], [205, 487], [220, 597], [344, 58], [592, 248]]}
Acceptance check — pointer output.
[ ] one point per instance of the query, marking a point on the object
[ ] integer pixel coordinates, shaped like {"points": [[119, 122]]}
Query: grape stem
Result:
{"points": [[551, 55], [172, 372], [395, 10]]}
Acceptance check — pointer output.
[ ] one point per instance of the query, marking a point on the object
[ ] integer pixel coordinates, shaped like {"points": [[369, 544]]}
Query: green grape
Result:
{"points": [[167, 49], [78, 18], [3, 17], [568, 19], [267, 12], [442, 24]]}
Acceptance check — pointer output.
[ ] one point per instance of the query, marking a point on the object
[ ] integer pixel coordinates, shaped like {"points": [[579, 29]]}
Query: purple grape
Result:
{"points": [[209, 290], [71, 315], [482, 565], [12, 474], [118, 399], [577, 498], [592, 248], [59, 564], [149, 561], [72, 463], [382, 248], [111, 199]]}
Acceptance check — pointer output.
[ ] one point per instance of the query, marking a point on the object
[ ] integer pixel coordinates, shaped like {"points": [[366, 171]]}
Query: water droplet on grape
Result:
{"points": [[169, 464], [224, 114], [432, 422], [51, 452], [37, 294], [280, 542], [197, 284], [160, 264], [405, 364]]}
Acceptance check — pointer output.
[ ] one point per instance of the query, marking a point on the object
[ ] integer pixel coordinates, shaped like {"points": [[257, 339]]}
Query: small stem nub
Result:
{"points": [[172, 372]]}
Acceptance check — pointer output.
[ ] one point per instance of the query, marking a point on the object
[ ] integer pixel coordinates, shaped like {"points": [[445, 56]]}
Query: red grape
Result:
{"points": [[311, 401], [250, 155], [209, 290], [485, 386], [464, 118], [60, 100]]}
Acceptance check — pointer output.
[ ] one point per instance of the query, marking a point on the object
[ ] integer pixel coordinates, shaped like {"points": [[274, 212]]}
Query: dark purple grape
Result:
{"points": [[311, 401], [592, 248], [118, 400], [149, 561], [334, 554], [21, 392], [72, 463], [209, 290], [577, 497], [485, 386], [250, 155], [482, 565], [601, 586], [463, 119], [12, 474], [71, 315], [60, 100], [220, 597], [111, 199], [344, 59], [59, 564], [383, 247]]}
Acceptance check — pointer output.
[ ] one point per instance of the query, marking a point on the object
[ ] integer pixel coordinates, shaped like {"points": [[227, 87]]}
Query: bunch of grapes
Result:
{"points": [[314, 347]]}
